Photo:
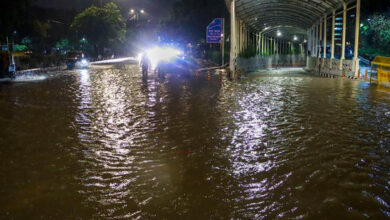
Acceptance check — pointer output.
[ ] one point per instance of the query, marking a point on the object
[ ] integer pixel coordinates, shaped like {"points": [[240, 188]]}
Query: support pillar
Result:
{"points": [[315, 40], [344, 35], [357, 33], [246, 37], [333, 33], [275, 46], [324, 39], [309, 41], [262, 44], [241, 36], [269, 46], [288, 48], [233, 38], [320, 40]]}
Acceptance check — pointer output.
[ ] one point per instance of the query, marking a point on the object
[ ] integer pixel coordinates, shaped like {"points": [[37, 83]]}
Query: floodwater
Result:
{"points": [[105, 144]]}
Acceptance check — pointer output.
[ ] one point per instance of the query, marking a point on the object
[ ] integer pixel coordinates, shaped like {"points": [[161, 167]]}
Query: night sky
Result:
{"points": [[157, 8]]}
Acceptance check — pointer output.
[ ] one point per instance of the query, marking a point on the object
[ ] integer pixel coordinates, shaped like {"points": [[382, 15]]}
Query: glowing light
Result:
{"points": [[84, 62], [295, 38], [139, 57], [118, 60], [305, 41], [142, 11], [132, 11], [162, 54], [279, 34]]}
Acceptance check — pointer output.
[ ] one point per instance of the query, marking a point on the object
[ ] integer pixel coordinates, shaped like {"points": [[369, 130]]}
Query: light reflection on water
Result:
{"points": [[282, 145]]}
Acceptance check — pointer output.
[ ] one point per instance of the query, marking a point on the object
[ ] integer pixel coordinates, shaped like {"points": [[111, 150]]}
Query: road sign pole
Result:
{"points": [[215, 34]]}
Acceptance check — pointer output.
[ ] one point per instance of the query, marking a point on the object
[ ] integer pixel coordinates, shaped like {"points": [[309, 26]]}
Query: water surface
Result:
{"points": [[105, 144]]}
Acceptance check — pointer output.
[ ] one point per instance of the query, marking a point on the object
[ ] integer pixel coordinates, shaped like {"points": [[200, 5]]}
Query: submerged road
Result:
{"points": [[105, 144]]}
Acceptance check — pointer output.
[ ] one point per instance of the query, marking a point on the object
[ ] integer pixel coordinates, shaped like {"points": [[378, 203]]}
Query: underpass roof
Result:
{"points": [[292, 17]]}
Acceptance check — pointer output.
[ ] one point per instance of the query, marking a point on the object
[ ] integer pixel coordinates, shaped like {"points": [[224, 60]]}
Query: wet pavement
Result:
{"points": [[105, 144]]}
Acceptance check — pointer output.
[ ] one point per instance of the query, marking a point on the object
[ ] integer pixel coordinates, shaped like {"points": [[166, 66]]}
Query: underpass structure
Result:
{"points": [[307, 33]]}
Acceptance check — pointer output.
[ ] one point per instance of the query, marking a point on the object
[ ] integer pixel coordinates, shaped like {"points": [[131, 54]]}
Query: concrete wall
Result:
{"points": [[264, 62]]}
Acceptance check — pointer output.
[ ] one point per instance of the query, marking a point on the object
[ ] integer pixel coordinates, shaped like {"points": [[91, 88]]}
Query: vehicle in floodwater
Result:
{"points": [[76, 59], [7, 65]]}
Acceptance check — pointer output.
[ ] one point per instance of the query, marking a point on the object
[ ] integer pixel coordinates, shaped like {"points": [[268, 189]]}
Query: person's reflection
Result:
{"points": [[144, 86]]}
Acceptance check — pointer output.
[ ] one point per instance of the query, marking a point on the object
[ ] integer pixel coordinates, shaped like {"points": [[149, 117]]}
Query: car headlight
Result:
{"points": [[84, 62]]}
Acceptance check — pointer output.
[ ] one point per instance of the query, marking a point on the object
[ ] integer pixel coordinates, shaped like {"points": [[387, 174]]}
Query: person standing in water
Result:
{"points": [[145, 65]]}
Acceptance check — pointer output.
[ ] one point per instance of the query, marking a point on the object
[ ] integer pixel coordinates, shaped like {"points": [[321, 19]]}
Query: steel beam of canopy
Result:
{"points": [[310, 6], [276, 16], [259, 14], [282, 19], [292, 9]]}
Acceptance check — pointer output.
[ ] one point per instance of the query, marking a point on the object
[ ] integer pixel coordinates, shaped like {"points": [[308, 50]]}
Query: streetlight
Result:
{"points": [[136, 13]]}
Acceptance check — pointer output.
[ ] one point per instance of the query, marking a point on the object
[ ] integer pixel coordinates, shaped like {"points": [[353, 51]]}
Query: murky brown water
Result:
{"points": [[103, 144]]}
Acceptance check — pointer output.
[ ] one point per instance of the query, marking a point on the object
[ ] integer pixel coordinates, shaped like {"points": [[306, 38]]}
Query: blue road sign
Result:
{"points": [[214, 31]]}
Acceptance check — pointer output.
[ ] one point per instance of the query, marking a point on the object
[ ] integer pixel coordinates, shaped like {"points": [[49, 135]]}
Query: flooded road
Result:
{"points": [[104, 144]]}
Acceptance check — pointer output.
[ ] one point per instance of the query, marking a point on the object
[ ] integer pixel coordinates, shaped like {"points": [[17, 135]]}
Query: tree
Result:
{"points": [[376, 36], [103, 27]]}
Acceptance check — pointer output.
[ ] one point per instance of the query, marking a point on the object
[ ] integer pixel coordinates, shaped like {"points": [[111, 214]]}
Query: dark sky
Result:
{"points": [[155, 8]]}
